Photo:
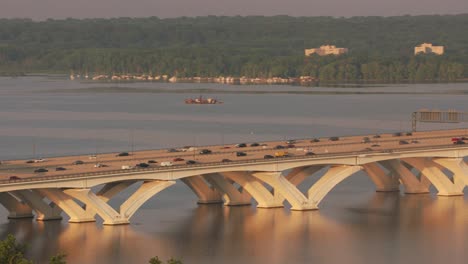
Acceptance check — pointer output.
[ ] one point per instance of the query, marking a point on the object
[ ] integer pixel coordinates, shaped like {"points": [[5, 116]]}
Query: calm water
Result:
{"points": [[45, 116]]}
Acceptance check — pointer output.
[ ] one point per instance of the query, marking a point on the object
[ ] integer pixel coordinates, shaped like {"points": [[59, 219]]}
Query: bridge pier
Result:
{"points": [[410, 182], [256, 189], [127, 209], [288, 190], [457, 166], [232, 195], [76, 213], [430, 169], [206, 194], [383, 182], [16, 209], [43, 210]]}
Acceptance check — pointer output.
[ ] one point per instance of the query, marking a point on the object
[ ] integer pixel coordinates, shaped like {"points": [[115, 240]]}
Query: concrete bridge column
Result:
{"points": [[44, 211], [254, 187], [383, 182], [76, 213], [231, 194], [127, 209], [412, 184], [288, 190], [443, 184], [206, 194], [457, 166], [16, 208]]}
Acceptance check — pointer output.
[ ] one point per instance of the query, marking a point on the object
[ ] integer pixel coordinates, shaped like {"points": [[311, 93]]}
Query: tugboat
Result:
{"points": [[201, 100]]}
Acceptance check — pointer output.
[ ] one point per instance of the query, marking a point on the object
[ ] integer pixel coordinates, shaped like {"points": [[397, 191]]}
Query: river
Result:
{"points": [[44, 116]]}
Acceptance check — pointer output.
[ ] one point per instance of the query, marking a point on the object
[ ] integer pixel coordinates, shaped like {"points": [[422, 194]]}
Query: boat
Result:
{"points": [[201, 100]]}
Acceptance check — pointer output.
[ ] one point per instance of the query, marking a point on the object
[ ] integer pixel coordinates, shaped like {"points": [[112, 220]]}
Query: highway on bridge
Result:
{"points": [[20, 170]]}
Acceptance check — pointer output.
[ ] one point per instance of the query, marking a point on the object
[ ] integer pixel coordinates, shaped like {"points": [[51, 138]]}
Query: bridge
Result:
{"points": [[266, 172]]}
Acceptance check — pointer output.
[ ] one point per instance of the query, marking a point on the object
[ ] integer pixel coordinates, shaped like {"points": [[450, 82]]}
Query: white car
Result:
{"points": [[39, 160]]}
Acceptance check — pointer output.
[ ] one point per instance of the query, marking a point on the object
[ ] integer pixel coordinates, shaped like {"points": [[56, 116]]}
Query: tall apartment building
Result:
{"points": [[326, 50], [428, 48]]}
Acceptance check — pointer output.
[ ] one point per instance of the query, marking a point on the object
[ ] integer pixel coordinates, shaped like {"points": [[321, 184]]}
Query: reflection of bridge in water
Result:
{"points": [[432, 161], [217, 234]]}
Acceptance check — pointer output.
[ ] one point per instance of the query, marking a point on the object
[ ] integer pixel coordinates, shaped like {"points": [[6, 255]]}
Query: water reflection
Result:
{"points": [[388, 227]]}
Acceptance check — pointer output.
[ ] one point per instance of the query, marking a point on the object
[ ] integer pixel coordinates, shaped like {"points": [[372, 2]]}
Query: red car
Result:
{"points": [[178, 159]]}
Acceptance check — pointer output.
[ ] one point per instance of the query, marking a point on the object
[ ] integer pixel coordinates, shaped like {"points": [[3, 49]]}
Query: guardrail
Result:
{"points": [[217, 164]]}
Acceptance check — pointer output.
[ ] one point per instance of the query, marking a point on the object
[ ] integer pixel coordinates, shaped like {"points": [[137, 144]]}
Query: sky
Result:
{"points": [[59, 9]]}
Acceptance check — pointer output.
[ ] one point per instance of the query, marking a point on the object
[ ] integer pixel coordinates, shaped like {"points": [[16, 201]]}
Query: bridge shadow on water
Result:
{"points": [[375, 227]]}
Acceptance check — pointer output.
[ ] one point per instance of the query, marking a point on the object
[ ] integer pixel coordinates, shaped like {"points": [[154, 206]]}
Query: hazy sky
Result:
{"points": [[41, 9]]}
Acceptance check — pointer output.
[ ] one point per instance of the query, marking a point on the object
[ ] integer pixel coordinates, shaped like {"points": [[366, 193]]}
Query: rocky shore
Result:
{"points": [[221, 79]]}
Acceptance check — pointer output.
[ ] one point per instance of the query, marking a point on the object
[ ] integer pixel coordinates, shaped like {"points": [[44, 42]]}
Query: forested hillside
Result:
{"points": [[380, 48]]}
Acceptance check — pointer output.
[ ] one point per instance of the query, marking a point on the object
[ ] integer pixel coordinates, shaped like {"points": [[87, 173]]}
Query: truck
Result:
{"points": [[280, 154], [166, 163]]}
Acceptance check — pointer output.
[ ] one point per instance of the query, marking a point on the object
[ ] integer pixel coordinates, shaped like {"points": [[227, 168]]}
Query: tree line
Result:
{"points": [[380, 48]]}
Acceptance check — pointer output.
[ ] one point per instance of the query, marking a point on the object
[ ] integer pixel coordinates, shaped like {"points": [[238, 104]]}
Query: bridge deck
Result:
{"points": [[351, 144]]}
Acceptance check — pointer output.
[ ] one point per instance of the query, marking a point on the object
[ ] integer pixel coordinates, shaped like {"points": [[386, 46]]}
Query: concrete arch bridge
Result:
{"points": [[270, 182]]}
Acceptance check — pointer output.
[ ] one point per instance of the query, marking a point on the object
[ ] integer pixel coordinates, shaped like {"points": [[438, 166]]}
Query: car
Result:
{"points": [[268, 157], [92, 157], [126, 167], [14, 178], [365, 140], [39, 160], [99, 165], [241, 145], [403, 142], [397, 134], [315, 140], [414, 142], [334, 139], [226, 160], [255, 144], [178, 159], [152, 161], [409, 134], [30, 161], [291, 141], [309, 153], [205, 151], [291, 146], [123, 154], [142, 165], [189, 162], [166, 163], [367, 149], [240, 154], [459, 142], [78, 162], [60, 169], [375, 145], [40, 170], [279, 147], [172, 150], [376, 136]]}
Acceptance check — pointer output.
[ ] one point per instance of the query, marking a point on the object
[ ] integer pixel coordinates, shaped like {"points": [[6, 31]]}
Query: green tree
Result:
{"points": [[12, 252], [58, 259]]}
